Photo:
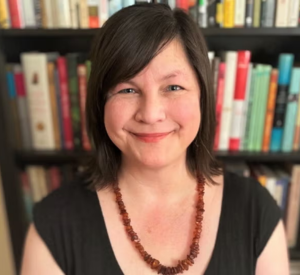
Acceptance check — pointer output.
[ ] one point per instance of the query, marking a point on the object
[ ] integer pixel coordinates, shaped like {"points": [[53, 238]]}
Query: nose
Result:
{"points": [[151, 109]]}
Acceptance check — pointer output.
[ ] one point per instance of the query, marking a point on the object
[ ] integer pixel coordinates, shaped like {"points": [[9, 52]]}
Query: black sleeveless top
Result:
{"points": [[70, 222]]}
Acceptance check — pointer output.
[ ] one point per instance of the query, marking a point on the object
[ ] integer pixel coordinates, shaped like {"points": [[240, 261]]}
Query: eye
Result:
{"points": [[127, 91], [174, 88]]}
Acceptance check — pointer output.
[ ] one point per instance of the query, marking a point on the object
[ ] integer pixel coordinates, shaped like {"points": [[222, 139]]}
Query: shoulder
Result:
{"points": [[252, 204]]}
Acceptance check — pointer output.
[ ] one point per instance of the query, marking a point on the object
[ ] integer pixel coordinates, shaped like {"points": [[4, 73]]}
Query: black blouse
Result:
{"points": [[71, 223]]}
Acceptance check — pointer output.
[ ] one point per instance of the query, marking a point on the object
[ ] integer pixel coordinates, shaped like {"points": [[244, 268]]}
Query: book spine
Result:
{"points": [[219, 13], [82, 77], [57, 12], [22, 107], [127, 3], [55, 178], [74, 97], [291, 111], [293, 13], [256, 15], [15, 14], [215, 70], [54, 112], [211, 13], [48, 13], [4, 15], [37, 87], [239, 99], [114, 6], [282, 13], [27, 197], [239, 18], [59, 108], [94, 13], [261, 113], [229, 13], [219, 103], [285, 67], [245, 107], [249, 13], [65, 103], [32, 172], [84, 14], [270, 110], [38, 13], [74, 12], [296, 142], [202, 14], [104, 11], [29, 15], [268, 13], [231, 64], [63, 14]]}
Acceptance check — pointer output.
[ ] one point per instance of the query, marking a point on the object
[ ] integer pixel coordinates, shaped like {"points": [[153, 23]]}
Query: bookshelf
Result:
{"points": [[265, 44]]}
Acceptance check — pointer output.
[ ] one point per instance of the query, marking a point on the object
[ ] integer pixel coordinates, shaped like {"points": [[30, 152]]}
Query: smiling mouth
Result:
{"points": [[150, 137]]}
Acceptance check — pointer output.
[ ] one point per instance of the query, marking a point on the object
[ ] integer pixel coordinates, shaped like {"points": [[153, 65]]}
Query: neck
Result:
{"points": [[170, 183]]}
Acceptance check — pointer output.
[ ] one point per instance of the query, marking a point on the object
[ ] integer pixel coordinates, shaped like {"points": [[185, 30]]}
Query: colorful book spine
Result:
{"points": [[94, 13], [220, 13], [296, 141], [15, 14], [239, 15], [72, 59], [245, 107], [256, 14], [65, 103], [219, 102], [291, 111], [262, 106], [269, 15], [114, 6], [83, 14], [215, 70], [270, 110], [285, 68], [231, 64], [22, 107], [229, 13], [211, 13], [243, 61], [4, 15]]}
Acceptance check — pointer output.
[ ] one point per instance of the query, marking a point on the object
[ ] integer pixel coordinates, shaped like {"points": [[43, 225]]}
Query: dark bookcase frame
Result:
{"points": [[265, 43]]}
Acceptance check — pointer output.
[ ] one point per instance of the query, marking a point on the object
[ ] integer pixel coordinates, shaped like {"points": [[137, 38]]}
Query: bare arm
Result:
{"points": [[37, 259], [274, 258]]}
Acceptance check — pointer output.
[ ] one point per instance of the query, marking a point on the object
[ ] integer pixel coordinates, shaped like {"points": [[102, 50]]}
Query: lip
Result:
{"points": [[151, 137]]}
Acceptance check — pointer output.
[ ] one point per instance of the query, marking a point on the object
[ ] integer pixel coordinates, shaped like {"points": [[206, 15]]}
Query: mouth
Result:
{"points": [[151, 137]]}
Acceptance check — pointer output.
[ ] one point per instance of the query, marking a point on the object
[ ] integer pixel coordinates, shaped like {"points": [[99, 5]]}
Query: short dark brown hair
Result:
{"points": [[124, 46]]}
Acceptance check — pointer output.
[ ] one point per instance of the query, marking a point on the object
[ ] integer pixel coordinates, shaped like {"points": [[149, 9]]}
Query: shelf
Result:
{"points": [[45, 157], [206, 31]]}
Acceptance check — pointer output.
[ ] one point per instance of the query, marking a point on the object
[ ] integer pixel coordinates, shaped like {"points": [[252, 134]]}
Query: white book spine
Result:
{"points": [[74, 13], [104, 11], [293, 13], [211, 56], [172, 4], [49, 13], [21, 13], [39, 105], [230, 75], [42, 181], [29, 15], [33, 176], [239, 15], [282, 11], [83, 14], [245, 106], [63, 13]]}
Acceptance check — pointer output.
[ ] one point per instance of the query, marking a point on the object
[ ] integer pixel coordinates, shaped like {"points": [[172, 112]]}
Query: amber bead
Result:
{"points": [[126, 221], [184, 265], [155, 264]]}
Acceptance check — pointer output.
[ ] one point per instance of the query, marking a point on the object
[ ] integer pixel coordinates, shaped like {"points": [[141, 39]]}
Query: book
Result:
{"points": [[231, 64], [202, 13], [37, 4], [291, 111], [27, 196], [239, 15], [243, 61], [228, 13], [4, 15], [29, 14], [293, 13], [249, 13], [37, 87], [220, 13], [285, 68], [83, 14], [282, 10], [15, 14], [63, 16], [256, 13], [270, 110], [211, 13], [215, 71], [94, 12], [48, 13], [267, 13]]}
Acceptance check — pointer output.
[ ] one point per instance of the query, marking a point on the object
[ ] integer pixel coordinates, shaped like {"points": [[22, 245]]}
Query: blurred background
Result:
{"points": [[44, 69]]}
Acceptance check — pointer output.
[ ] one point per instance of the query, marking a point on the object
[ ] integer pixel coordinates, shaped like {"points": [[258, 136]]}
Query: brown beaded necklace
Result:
{"points": [[194, 248]]}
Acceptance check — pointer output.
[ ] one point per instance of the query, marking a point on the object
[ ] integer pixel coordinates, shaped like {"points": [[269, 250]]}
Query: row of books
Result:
{"points": [[257, 106], [47, 96], [39, 181], [283, 183], [94, 13]]}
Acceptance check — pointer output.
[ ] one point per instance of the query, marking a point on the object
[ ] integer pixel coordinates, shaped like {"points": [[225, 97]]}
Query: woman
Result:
{"points": [[156, 201]]}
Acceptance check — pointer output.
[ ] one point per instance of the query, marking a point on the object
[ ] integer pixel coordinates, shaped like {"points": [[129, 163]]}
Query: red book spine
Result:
{"points": [[14, 12], [65, 102], [55, 178], [82, 79], [219, 103], [20, 85], [183, 4], [239, 99]]}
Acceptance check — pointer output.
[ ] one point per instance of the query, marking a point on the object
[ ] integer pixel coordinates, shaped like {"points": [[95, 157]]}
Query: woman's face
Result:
{"points": [[154, 117]]}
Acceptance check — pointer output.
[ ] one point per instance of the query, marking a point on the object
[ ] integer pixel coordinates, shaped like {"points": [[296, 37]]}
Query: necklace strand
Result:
{"points": [[182, 265]]}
